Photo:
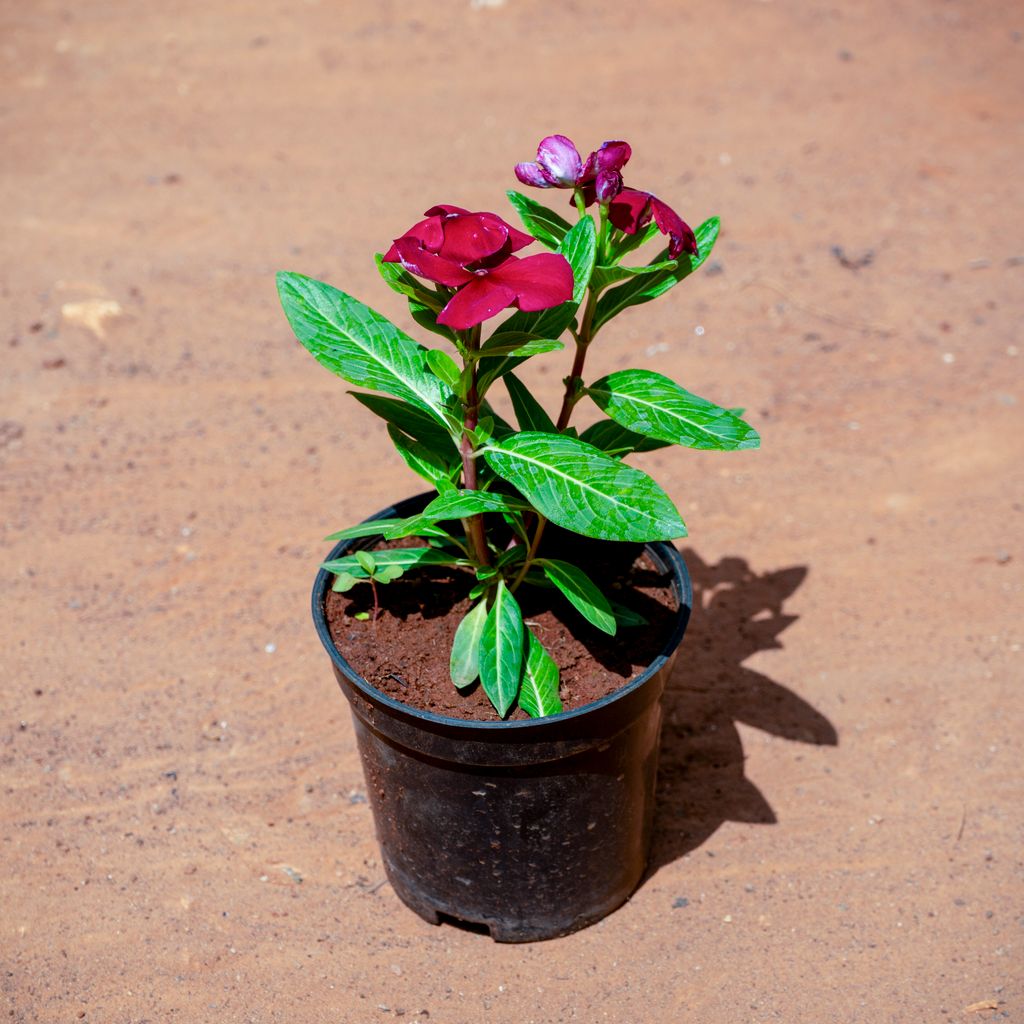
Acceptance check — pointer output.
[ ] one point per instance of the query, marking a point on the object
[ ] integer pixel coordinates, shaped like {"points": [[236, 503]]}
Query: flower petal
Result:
{"points": [[444, 210], [424, 263], [607, 185], [612, 156], [471, 237], [539, 282], [630, 210], [680, 237], [518, 239], [427, 232], [472, 305], [532, 174], [559, 161]]}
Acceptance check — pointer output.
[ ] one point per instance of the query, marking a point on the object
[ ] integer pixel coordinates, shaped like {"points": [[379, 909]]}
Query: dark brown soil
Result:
{"points": [[405, 653]]}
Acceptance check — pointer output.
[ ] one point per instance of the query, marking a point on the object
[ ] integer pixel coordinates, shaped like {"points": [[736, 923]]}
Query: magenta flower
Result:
{"points": [[559, 165], [631, 211], [472, 252]]}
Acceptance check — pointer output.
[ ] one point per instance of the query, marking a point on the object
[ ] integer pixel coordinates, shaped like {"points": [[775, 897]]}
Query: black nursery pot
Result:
{"points": [[531, 829]]}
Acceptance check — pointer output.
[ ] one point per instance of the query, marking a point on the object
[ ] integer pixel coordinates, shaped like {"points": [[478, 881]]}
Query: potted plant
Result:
{"points": [[529, 818]]}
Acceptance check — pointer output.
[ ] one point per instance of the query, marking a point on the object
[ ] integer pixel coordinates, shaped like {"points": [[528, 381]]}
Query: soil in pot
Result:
{"points": [[405, 653]]}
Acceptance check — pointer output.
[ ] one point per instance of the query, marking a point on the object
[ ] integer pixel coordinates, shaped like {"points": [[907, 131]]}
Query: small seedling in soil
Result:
{"points": [[374, 573]]}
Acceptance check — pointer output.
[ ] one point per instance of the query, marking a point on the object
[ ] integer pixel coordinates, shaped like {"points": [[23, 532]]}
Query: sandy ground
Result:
{"points": [[184, 832]]}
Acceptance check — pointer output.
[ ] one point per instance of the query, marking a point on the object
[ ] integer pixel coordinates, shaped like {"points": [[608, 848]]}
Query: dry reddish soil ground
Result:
{"points": [[185, 835]]}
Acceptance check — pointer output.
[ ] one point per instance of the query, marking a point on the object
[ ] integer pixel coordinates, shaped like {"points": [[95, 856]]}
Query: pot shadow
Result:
{"points": [[701, 784]]}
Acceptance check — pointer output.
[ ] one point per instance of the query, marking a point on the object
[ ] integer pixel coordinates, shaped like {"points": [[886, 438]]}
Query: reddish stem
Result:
{"points": [[471, 416]]}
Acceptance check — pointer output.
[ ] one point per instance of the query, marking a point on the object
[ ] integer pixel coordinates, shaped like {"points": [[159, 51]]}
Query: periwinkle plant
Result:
{"points": [[458, 269]]}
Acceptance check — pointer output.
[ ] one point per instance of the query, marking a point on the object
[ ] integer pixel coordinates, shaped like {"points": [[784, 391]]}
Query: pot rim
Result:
{"points": [[664, 555]]}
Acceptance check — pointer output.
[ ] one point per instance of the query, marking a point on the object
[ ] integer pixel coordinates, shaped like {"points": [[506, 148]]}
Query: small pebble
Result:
{"points": [[681, 901], [699, 330], [948, 357], [270, 648]]}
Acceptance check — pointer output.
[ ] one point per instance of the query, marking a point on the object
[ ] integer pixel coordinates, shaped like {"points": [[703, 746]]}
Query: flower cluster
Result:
{"points": [[470, 256], [599, 179]]}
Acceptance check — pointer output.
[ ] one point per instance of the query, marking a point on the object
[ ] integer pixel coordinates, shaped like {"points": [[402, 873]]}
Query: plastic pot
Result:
{"points": [[530, 829]]}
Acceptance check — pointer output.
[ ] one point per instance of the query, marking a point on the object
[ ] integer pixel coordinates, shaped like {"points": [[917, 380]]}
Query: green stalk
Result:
{"points": [[575, 378]]}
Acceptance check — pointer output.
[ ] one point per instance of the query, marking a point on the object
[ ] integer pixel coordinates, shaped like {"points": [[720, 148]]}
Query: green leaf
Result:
{"points": [[388, 573], [501, 651], [545, 225], [426, 317], [481, 433], [626, 616], [616, 440], [494, 365], [655, 406], [359, 344], [580, 488], [457, 505], [581, 591], [625, 244], [529, 412], [645, 287], [444, 366], [520, 343], [378, 528], [501, 427], [343, 582], [579, 247], [366, 561], [400, 280], [604, 276], [539, 693], [429, 464], [409, 420], [407, 558], [465, 659]]}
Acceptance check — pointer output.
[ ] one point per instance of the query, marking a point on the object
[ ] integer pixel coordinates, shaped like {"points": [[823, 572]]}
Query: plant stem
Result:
{"points": [[602, 238], [575, 378], [471, 416], [531, 554]]}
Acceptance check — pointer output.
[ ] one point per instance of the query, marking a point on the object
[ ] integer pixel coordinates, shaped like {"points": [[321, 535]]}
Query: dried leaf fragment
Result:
{"points": [[91, 313]]}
